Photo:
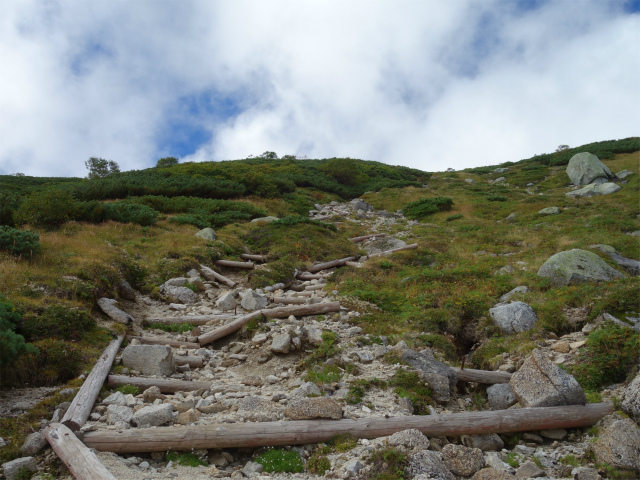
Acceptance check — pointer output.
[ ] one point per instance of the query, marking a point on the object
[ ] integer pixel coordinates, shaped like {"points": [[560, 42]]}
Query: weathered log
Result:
{"points": [[193, 362], [302, 310], [264, 434], [394, 250], [311, 288], [255, 258], [195, 320], [232, 264], [482, 376], [366, 237], [108, 306], [81, 406], [296, 287], [81, 462], [304, 276], [211, 274], [164, 384], [331, 264], [290, 300], [353, 264], [163, 341], [305, 294], [227, 329]]}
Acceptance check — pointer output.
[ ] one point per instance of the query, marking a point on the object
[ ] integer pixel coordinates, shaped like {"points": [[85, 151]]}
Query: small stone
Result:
{"points": [[554, 433], [33, 444], [561, 347], [352, 467], [500, 396], [116, 398], [281, 343], [485, 442], [12, 468], [576, 345], [118, 413], [190, 416], [153, 415], [259, 338], [252, 468], [151, 394], [529, 470], [316, 407], [462, 461]]}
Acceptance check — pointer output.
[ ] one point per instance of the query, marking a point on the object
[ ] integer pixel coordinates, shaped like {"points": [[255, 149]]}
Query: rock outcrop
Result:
{"points": [[585, 168], [149, 359], [514, 317], [576, 266]]}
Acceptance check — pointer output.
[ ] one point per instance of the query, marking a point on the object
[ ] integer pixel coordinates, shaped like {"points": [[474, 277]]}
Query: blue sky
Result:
{"points": [[430, 84]]}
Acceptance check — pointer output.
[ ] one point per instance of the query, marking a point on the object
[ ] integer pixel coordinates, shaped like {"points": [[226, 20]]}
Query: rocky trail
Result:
{"points": [[255, 375]]}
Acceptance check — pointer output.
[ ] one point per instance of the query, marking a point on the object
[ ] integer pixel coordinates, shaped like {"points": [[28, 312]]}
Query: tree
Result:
{"points": [[167, 162], [562, 147], [12, 345], [100, 168]]}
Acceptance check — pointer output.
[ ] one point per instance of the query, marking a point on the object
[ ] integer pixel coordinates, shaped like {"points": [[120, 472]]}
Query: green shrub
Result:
{"points": [[12, 345], [19, 242], [408, 384], [46, 208], [276, 461], [425, 207], [497, 198], [126, 212], [388, 464], [128, 389], [57, 321], [451, 218], [172, 327], [318, 464], [186, 459], [58, 361]]}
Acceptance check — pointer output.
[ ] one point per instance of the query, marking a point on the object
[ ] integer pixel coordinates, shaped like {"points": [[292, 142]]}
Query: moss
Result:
{"points": [[281, 461]]}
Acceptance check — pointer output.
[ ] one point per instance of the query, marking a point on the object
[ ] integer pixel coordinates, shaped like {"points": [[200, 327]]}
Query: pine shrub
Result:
{"points": [[19, 242]]}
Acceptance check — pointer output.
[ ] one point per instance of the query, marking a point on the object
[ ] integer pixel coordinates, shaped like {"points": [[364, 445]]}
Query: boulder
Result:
{"points": [[303, 391], [624, 174], [631, 398], [207, 234], [592, 190], [281, 343], [198, 283], [462, 461], [439, 376], [108, 306], [630, 265], [500, 396], [182, 295], [33, 444], [118, 413], [541, 383], [226, 301], [383, 244], [151, 394], [585, 473], [491, 474], [312, 335], [411, 439], [173, 282], [264, 219], [529, 470], [149, 359], [501, 170], [429, 464], [116, 398], [487, 442], [361, 205], [514, 317], [253, 301], [618, 443], [315, 407], [585, 168], [153, 415], [12, 469], [549, 211], [576, 266], [125, 291]]}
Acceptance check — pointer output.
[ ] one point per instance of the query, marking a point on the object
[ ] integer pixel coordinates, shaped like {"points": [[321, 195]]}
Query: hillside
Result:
{"points": [[480, 233]]}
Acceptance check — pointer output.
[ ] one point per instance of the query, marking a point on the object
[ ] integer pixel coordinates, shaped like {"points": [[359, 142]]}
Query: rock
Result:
{"points": [[33, 444], [486, 442], [259, 338], [593, 190], [529, 470], [440, 377], [226, 302], [118, 413], [304, 390], [108, 306], [316, 407], [585, 168], [491, 474], [183, 295], [252, 469], [500, 396], [116, 398], [151, 394], [469, 180], [383, 244], [363, 356], [312, 335], [554, 433], [510, 218], [149, 359], [561, 347], [264, 219], [352, 467], [494, 461], [252, 380], [500, 179], [206, 233], [540, 383], [631, 398], [630, 265], [281, 343], [411, 439], [125, 291], [198, 283], [576, 266], [185, 418], [462, 461], [618, 443], [2, 442], [153, 415], [507, 296], [549, 211], [430, 464], [514, 317], [506, 270], [501, 170], [353, 331], [585, 473], [173, 282], [253, 301], [218, 459], [12, 468], [624, 174]]}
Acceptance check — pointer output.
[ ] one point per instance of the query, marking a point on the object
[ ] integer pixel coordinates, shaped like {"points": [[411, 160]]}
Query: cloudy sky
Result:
{"points": [[429, 84]]}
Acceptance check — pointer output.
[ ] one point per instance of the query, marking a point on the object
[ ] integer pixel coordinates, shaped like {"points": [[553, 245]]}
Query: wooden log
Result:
{"points": [[290, 300], [353, 264], [164, 384], [108, 306], [304, 276], [394, 250], [482, 376], [296, 287], [82, 403], [232, 264], [193, 362], [302, 310], [211, 274], [331, 264], [227, 329], [366, 237], [264, 434], [195, 320], [163, 341], [81, 462], [255, 258], [311, 288]]}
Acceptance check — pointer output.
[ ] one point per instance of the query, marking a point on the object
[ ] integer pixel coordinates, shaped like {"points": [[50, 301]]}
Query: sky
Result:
{"points": [[430, 84]]}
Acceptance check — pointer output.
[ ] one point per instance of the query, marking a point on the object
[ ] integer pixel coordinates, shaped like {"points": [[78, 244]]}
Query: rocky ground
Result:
{"points": [[258, 379]]}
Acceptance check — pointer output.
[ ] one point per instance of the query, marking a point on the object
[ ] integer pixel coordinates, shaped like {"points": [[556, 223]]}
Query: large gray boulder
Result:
{"points": [[585, 168], [618, 443], [440, 377], [149, 359], [207, 234], [428, 464], [153, 415], [541, 383], [462, 461], [500, 396], [577, 266], [592, 190], [182, 295], [253, 301], [118, 413], [514, 317], [226, 301], [631, 398], [33, 444]]}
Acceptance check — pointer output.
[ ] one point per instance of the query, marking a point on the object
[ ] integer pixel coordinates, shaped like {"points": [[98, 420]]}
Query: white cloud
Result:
{"points": [[426, 84]]}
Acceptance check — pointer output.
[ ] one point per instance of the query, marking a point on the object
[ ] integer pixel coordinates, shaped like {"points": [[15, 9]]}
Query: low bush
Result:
{"points": [[388, 464], [57, 321], [497, 198], [426, 207], [19, 242], [126, 212], [58, 361], [12, 345]]}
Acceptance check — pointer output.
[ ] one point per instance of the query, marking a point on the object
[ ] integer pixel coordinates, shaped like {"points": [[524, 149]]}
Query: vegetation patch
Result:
{"points": [[281, 461], [421, 209], [388, 464], [19, 242], [409, 385], [186, 459]]}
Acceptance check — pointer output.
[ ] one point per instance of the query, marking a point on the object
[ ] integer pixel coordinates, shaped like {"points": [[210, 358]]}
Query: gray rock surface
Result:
{"points": [[630, 265], [12, 468], [585, 168], [125, 291], [439, 376], [618, 443], [624, 174], [492, 474], [253, 301], [462, 461], [315, 407], [252, 468], [585, 473], [108, 306], [33, 444], [383, 244], [151, 394], [207, 234], [226, 301], [118, 413], [541, 383], [507, 296], [549, 211], [149, 359], [281, 343], [514, 317], [631, 398], [576, 266], [529, 470], [430, 464], [264, 219], [116, 398], [411, 439], [500, 396], [182, 295], [303, 391], [153, 416], [593, 190], [486, 442]]}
